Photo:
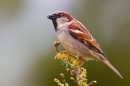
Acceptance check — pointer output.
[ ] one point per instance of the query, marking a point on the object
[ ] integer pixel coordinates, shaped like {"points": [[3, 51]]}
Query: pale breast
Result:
{"points": [[71, 44]]}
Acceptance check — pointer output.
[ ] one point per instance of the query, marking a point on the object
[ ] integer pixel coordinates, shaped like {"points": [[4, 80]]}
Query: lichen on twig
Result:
{"points": [[73, 66]]}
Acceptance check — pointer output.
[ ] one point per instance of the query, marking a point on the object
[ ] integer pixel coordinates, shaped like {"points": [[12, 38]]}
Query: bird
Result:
{"points": [[76, 39]]}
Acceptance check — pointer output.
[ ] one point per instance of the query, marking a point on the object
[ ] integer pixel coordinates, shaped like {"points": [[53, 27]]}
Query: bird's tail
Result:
{"points": [[112, 67]]}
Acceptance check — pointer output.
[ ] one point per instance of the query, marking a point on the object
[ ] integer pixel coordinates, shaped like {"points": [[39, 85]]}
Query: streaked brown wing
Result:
{"points": [[82, 34]]}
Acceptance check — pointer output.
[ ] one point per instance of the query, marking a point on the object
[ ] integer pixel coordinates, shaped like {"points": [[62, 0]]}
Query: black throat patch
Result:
{"points": [[55, 24]]}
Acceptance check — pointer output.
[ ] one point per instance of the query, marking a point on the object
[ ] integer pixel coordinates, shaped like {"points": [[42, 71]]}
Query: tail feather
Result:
{"points": [[112, 67]]}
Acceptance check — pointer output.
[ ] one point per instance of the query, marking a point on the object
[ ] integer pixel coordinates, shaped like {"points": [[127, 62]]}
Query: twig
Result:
{"points": [[92, 83], [56, 44]]}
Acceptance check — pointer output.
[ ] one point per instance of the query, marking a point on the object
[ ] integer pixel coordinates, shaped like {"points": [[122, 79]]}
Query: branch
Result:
{"points": [[73, 66]]}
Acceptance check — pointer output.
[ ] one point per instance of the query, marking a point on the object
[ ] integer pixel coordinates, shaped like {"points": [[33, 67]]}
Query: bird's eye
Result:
{"points": [[59, 15]]}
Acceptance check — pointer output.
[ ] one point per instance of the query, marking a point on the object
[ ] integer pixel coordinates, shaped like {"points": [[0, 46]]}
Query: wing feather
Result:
{"points": [[82, 34]]}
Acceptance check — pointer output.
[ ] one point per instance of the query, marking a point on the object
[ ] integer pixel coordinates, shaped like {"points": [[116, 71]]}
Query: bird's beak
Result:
{"points": [[52, 17]]}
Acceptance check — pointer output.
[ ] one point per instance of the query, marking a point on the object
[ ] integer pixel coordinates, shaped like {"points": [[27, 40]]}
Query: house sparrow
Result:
{"points": [[75, 38]]}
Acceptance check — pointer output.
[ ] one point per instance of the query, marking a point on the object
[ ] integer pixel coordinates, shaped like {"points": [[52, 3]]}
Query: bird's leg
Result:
{"points": [[56, 44], [82, 63], [75, 55], [68, 53]]}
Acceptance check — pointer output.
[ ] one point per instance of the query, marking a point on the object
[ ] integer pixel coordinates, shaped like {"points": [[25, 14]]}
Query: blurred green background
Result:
{"points": [[26, 41]]}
